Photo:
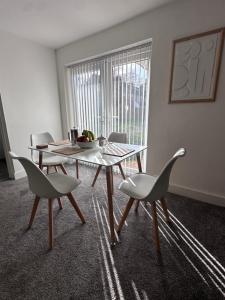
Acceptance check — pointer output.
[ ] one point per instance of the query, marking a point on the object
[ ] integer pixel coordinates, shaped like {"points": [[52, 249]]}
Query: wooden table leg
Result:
{"points": [[40, 159], [140, 171], [139, 162], [77, 169], [50, 224], [112, 185], [110, 204], [96, 175]]}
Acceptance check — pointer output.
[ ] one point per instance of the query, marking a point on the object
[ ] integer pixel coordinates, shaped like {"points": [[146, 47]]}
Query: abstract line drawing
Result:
{"points": [[195, 67]]}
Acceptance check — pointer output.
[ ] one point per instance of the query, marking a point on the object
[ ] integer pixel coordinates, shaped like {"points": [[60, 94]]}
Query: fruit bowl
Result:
{"points": [[87, 145]]}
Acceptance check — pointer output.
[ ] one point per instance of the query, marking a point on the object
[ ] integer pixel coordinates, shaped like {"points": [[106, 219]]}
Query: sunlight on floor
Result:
{"points": [[106, 253], [214, 269], [208, 268]]}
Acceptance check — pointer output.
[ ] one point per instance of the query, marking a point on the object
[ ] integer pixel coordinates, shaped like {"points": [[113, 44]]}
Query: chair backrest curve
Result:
{"points": [[38, 181], [39, 138], [162, 183], [118, 137]]}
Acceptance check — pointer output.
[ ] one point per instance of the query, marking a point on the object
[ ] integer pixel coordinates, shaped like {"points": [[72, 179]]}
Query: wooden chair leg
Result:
{"points": [[76, 207], [112, 184], [60, 204], [125, 214], [121, 170], [164, 207], [55, 168], [63, 169], [96, 175], [110, 204], [137, 205], [34, 209], [77, 169], [155, 226], [47, 169], [50, 224]]}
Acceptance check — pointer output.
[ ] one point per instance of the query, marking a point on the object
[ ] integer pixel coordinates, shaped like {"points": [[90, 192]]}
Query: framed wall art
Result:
{"points": [[195, 67]]}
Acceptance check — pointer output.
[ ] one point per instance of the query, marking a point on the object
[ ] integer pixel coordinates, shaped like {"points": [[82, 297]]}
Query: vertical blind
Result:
{"points": [[111, 93]]}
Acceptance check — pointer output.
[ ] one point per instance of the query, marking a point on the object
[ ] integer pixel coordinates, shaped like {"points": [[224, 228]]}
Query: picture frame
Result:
{"points": [[195, 67]]}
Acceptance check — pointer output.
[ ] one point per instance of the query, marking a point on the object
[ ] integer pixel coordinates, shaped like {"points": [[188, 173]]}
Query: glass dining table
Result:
{"points": [[100, 157]]}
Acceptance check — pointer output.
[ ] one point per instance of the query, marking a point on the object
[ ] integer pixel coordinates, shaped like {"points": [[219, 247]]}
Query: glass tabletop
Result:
{"points": [[95, 155]]}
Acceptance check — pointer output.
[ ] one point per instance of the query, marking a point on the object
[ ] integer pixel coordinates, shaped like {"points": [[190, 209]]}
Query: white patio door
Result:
{"points": [[111, 93]]}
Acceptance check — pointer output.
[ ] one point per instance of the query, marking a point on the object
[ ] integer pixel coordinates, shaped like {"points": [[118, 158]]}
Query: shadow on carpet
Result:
{"points": [[82, 264]]}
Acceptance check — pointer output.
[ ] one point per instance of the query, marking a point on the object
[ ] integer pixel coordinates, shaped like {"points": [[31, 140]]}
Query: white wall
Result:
{"points": [[198, 127], [28, 86]]}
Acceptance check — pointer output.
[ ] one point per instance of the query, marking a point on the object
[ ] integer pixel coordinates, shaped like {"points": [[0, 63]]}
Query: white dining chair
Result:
{"points": [[143, 187], [49, 160], [51, 186], [114, 137]]}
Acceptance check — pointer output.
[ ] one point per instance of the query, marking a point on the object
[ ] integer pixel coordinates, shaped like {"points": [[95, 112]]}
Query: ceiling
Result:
{"points": [[55, 23]]}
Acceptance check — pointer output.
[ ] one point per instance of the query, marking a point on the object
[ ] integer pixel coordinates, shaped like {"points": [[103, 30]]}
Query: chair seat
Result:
{"points": [[64, 184], [53, 160], [138, 186]]}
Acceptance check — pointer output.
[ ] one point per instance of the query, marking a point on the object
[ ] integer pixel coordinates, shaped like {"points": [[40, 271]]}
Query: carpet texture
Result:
{"points": [[82, 264]]}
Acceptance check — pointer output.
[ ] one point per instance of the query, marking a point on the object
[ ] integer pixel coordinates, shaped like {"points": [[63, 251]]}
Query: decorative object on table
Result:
{"points": [[195, 67], [42, 146], [73, 135], [89, 135], [101, 141], [87, 139], [87, 145]]}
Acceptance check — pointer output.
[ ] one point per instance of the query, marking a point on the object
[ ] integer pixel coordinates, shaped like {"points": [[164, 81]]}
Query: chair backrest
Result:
{"points": [[38, 181], [39, 138], [118, 137], [162, 183]]}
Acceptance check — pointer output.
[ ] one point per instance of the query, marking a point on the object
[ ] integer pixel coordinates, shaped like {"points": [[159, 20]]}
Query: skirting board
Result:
{"points": [[197, 195]]}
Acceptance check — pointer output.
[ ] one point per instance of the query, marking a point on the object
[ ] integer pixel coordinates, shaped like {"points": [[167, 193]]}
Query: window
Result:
{"points": [[111, 93]]}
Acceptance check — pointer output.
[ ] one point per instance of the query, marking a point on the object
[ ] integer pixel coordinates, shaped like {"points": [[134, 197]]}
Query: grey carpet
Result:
{"points": [[82, 264]]}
